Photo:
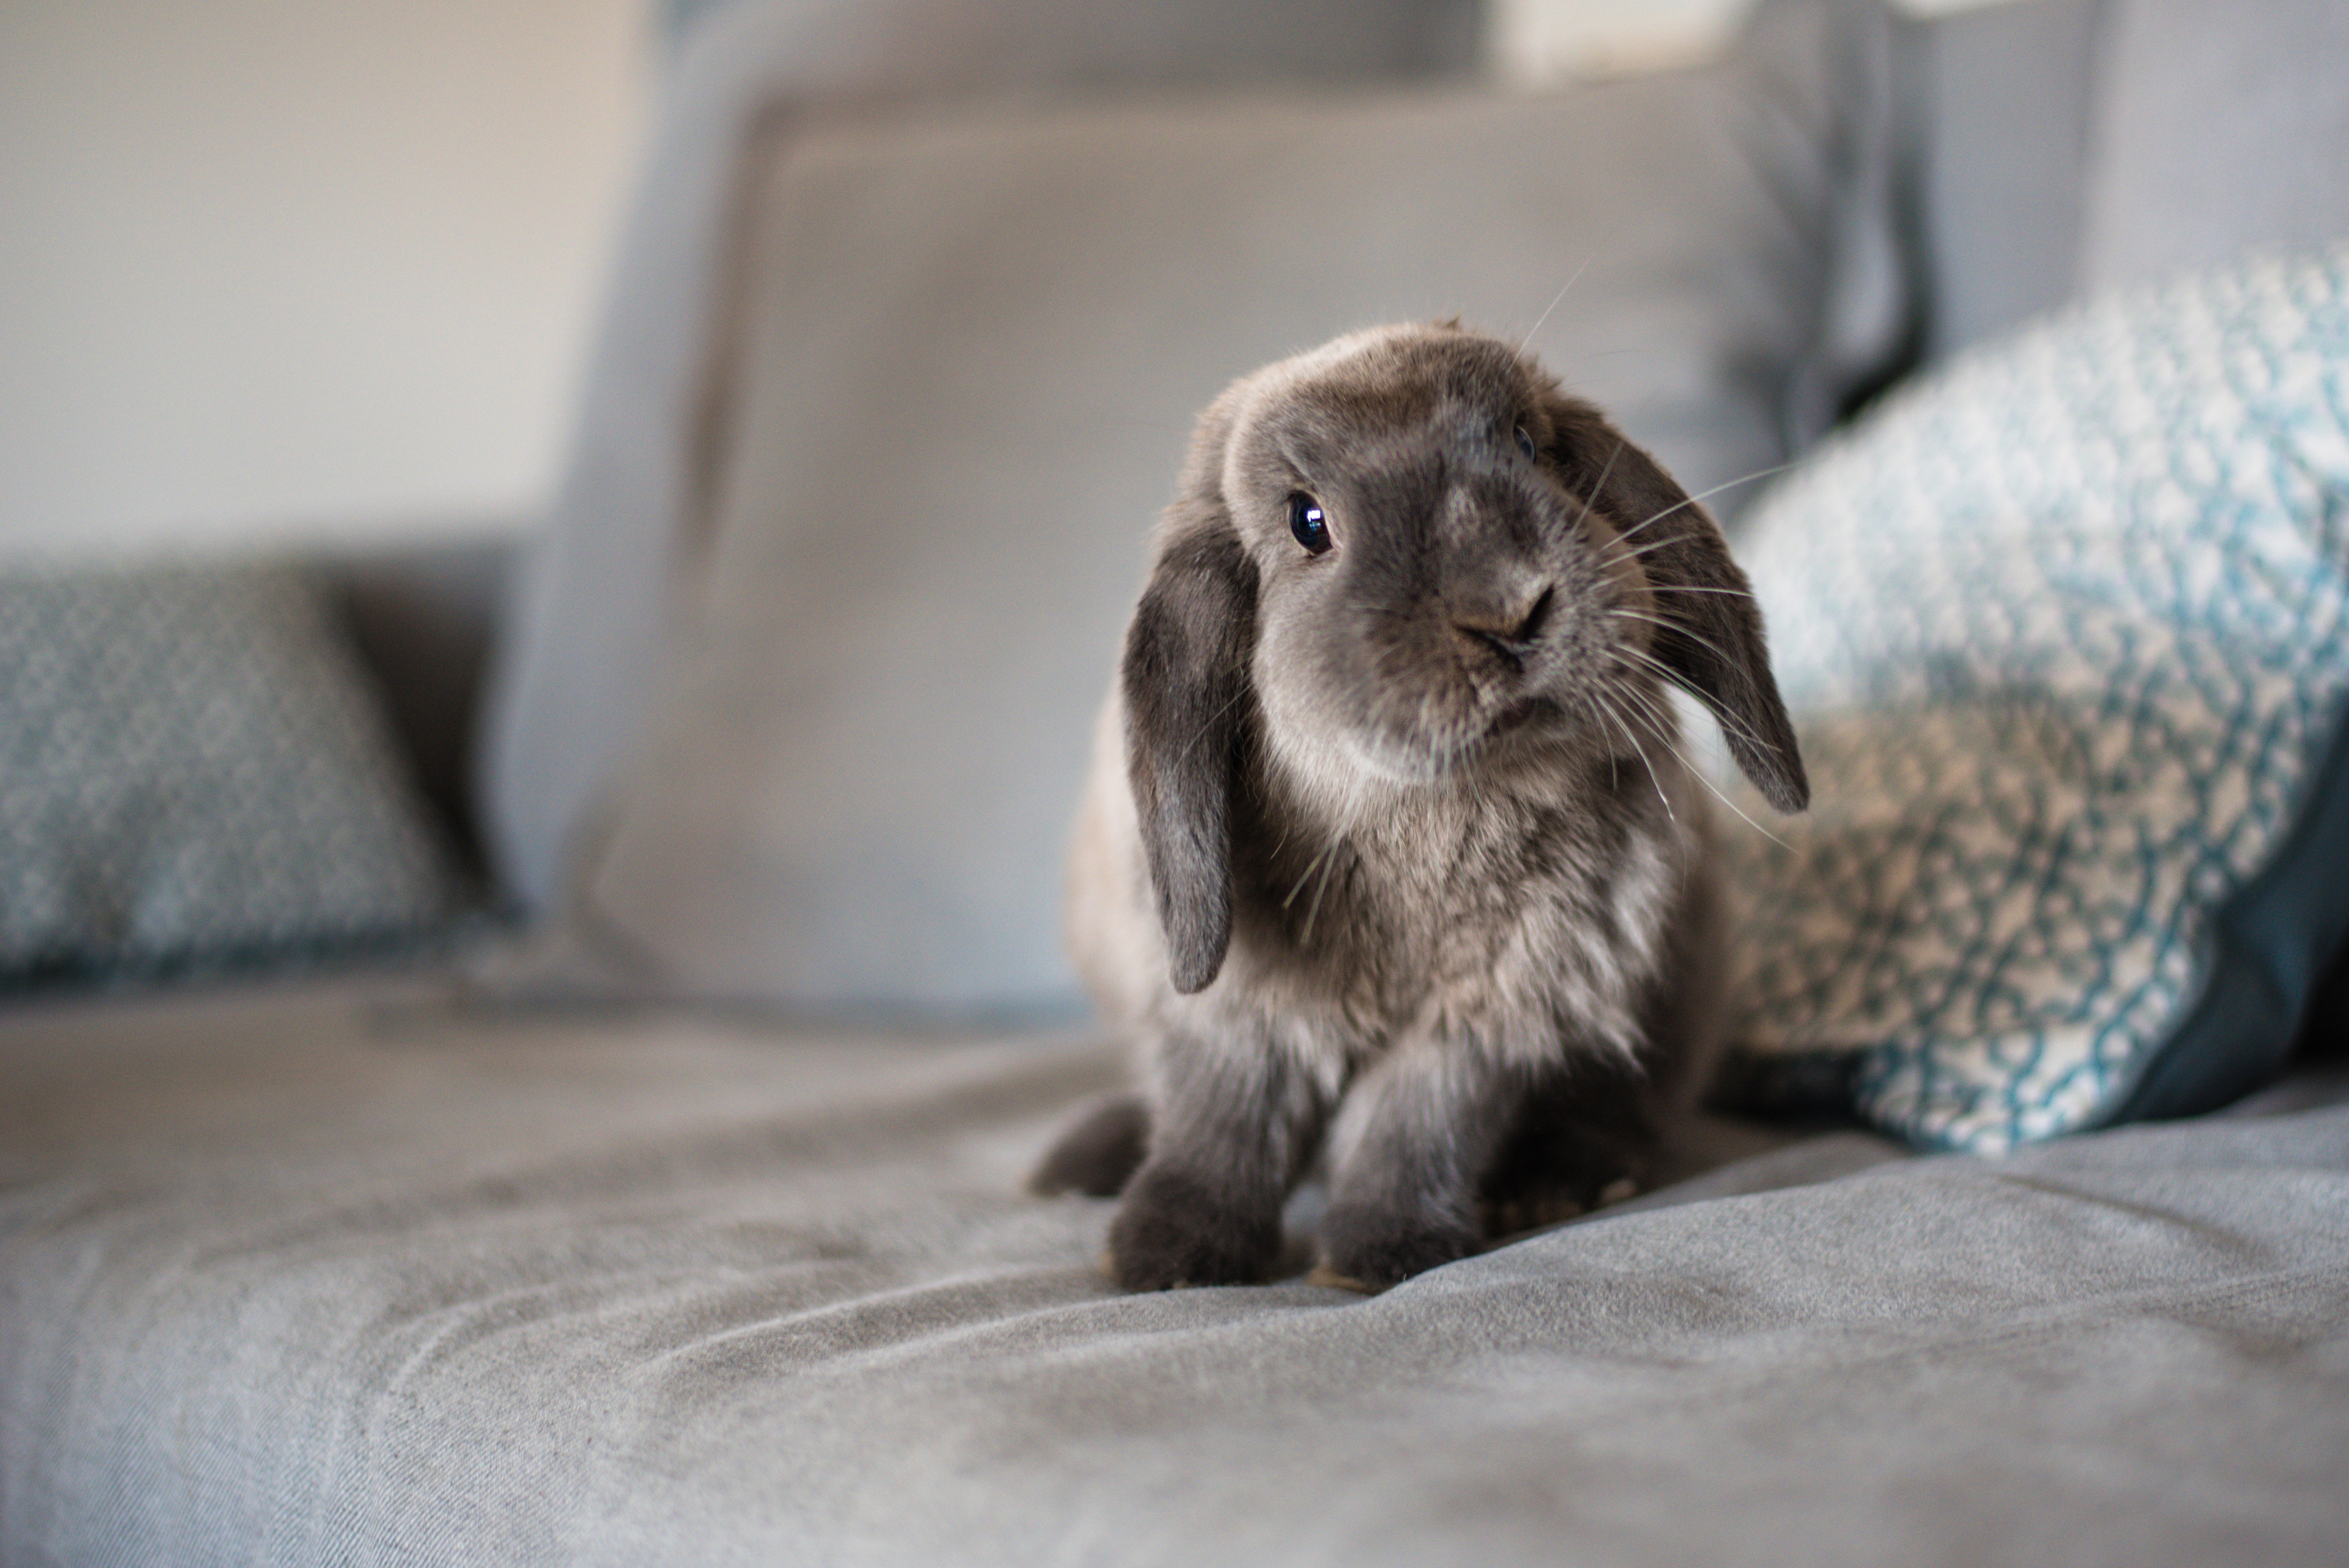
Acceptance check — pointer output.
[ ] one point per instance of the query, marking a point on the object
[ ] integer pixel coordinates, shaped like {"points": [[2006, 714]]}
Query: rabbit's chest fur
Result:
{"points": [[1525, 910]]}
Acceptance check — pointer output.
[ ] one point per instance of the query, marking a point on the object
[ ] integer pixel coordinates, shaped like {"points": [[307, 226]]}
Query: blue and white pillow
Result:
{"points": [[2066, 631]]}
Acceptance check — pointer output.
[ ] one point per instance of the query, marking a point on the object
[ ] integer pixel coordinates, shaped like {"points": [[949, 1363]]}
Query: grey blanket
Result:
{"points": [[319, 1278]]}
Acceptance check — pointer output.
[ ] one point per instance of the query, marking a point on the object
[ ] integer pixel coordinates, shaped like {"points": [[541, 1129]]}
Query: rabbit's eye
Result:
{"points": [[1305, 521], [1525, 443]]}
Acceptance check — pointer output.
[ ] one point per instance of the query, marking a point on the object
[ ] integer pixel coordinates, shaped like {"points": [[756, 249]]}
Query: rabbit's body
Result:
{"points": [[1388, 844], [1409, 908]]}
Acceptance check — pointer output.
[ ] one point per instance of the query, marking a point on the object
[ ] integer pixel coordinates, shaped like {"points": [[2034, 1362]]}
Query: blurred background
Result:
{"points": [[274, 273], [431, 433], [271, 270]]}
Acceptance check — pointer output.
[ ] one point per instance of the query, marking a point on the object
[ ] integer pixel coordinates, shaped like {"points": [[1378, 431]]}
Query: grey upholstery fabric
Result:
{"points": [[2002, 97], [315, 1278], [972, 348], [2222, 125], [2068, 146], [576, 667]]}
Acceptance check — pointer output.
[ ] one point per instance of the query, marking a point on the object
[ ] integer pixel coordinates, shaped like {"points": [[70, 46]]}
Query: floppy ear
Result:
{"points": [[1185, 682], [1714, 643]]}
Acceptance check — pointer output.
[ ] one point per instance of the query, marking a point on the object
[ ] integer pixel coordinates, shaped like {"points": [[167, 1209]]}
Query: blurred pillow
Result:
{"points": [[194, 773], [2065, 629], [974, 348]]}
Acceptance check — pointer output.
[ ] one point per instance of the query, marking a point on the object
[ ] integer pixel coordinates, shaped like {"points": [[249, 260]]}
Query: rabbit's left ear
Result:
{"points": [[1186, 681], [1715, 641]]}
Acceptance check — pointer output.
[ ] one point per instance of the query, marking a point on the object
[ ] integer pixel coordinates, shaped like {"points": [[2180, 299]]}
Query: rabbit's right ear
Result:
{"points": [[1185, 681]]}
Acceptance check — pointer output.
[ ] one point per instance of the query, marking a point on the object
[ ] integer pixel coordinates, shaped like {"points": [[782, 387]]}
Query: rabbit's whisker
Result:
{"points": [[1591, 713], [1600, 483], [1647, 704], [1698, 773], [1652, 545], [1209, 730], [1341, 823], [1677, 628], [1724, 716], [1644, 705], [1695, 588], [1732, 804], [1663, 739], [1320, 891], [1707, 495], [1312, 863], [1555, 300], [1606, 690]]}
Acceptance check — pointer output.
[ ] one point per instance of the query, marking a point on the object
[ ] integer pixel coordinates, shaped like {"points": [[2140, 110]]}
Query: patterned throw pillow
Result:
{"points": [[2065, 630], [193, 772]]}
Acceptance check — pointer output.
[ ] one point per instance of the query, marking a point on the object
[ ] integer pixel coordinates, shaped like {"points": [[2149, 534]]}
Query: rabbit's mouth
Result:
{"points": [[1420, 753]]}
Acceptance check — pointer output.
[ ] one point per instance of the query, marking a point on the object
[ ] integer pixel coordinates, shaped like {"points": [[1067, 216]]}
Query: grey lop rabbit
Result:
{"points": [[1388, 852]]}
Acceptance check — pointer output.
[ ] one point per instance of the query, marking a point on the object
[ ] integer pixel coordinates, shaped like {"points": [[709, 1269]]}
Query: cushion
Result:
{"points": [[192, 773], [976, 345], [336, 1276], [2072, 145], [665, 401], [573, 681], [2220, 125], [2065, 630], [2003, 96]]}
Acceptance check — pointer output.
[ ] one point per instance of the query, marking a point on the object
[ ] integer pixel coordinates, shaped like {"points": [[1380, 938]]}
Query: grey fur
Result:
{"points": [[1395, 844]]}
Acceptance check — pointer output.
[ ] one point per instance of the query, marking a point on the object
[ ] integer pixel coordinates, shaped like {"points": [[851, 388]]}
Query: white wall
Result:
{"points": [[308, 269], [1535, 43]]}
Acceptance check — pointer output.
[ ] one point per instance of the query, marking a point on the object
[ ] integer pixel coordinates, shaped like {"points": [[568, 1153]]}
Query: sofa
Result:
{"points": [[586, 1116]]}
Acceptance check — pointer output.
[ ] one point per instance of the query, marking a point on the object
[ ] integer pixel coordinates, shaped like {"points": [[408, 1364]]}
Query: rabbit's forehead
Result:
{"points": [[1383, 398]]}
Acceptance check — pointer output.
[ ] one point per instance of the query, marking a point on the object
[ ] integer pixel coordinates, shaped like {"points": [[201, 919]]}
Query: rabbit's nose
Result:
{"points": [[1513, 634]]}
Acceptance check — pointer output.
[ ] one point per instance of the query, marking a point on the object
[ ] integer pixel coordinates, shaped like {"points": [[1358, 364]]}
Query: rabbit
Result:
{"points": [[1388, 853]]}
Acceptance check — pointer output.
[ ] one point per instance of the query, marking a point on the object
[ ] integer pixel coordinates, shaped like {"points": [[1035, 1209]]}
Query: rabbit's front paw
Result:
{"points": [[1175, 1229], [1367, 1249]]}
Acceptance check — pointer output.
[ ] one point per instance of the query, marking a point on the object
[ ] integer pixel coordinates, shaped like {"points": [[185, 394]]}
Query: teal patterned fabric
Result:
{"points": [[194, 773], [2066, 630]]}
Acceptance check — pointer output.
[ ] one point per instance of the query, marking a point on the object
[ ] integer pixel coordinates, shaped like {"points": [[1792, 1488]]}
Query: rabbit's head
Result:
{"points": [[1408, 553]]}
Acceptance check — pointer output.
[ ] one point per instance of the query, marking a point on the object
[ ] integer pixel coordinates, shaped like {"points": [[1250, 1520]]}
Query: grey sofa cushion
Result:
{"points": [[2068, 146], [975, 344], [319, 1279], [2220, 125], [2000, 99], [569, 688], [193, 771]]}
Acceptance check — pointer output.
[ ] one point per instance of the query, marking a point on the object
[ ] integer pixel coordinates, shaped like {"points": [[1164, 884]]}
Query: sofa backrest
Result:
{"points": [[2062, 147], [568, 690], [2027, 125]]}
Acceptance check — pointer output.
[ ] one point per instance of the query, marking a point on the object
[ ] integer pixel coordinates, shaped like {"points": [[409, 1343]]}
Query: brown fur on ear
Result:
{"points": [[1715, 643], [1184, 678]]}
